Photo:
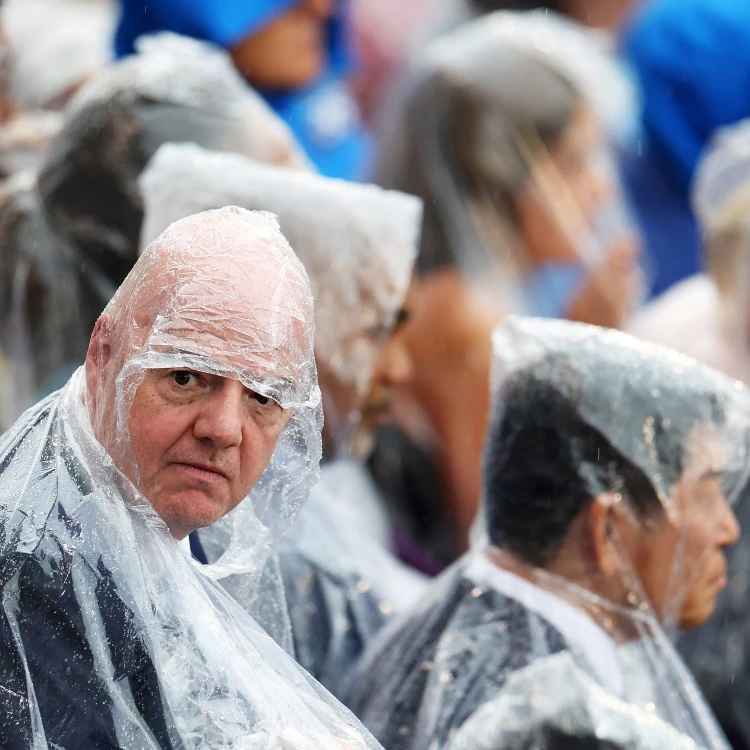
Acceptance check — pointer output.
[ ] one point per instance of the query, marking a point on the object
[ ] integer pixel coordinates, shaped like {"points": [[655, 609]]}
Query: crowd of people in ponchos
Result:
{"points": [[372, 374]]}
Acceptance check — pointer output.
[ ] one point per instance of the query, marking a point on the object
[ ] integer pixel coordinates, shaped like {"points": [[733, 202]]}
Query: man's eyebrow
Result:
{"points": [[711, 474]]}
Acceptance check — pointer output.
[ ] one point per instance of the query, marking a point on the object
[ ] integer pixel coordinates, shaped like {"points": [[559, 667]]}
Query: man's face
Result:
{"points": [[201, 443], [392, 371], [290, 51], [681, 564], [388, 348]]}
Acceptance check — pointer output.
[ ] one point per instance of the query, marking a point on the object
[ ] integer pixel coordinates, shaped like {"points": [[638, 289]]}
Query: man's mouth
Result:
{"points": [[202, 471], [379, 410]]}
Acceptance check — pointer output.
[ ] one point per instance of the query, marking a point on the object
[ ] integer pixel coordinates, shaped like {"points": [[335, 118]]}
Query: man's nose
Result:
{"points": [[220, 419], [398, 368], [729, 530]]}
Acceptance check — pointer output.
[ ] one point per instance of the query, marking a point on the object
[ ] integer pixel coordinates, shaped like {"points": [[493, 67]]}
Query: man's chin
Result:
{"points": [[190, 510]]}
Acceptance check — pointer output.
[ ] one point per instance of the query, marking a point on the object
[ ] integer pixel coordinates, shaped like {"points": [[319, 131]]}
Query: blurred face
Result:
{"points": [[603, 14], [391, 372], [290, 51], [681, 564], [571, 212], [560, 206], [200, 442]]}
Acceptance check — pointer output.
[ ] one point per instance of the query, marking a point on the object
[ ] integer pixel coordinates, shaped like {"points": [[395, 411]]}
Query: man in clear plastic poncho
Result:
{"points": [[71, 231], [604, 522], [707, 316], [358, 244], [199, 394]]}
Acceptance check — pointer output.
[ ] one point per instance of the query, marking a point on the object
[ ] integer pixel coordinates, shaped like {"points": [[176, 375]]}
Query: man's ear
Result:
{"points": [[602, 531], [98, 355]]}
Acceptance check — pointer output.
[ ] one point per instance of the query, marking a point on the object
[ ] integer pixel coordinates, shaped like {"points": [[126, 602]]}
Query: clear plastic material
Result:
{"points": [[722, 174], [498, 135], [111, 635], [55, 46], [358, 244], [173, 89], [609, 467]]}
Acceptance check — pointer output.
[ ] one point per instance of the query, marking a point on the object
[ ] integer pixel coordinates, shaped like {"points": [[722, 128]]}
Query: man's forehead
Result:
{"points": [[707, 452]]}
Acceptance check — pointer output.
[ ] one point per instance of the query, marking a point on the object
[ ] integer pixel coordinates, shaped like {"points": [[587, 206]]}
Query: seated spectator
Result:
{"points": [[608, 471], [523, 212], [293, 51], [198, 396], [358, 244], [707, 316]]}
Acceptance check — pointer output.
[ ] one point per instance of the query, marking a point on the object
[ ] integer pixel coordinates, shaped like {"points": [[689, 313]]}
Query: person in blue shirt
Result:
{"points": [[293, 51], [692, 59]]}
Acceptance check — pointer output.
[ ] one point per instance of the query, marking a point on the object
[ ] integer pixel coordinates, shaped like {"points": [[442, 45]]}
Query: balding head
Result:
{"points": [[196, 364]]}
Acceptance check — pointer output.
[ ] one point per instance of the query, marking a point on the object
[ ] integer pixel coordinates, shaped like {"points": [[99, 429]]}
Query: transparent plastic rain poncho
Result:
{"points": [[358, 244], [507, 654], [707, 317], [173, 89], [55, 46], [478, 138], [111, 635]]}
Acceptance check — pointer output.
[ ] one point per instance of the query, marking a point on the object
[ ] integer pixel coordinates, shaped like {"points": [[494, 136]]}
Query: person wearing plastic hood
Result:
{"points": [[199, 388], [523, 213], [606, 509], [358, 243], [707, 316], [173, 89]]}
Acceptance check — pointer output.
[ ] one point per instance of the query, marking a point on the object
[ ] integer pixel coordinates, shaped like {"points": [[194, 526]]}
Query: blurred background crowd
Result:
{"points": [[578, 159]]}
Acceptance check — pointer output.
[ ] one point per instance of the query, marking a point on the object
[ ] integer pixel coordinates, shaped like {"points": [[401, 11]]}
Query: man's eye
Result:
{"points": [[184, 378], [261, 399]]}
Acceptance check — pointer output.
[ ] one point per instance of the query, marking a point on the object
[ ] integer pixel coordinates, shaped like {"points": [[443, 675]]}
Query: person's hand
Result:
{"points": [[609, 295]]}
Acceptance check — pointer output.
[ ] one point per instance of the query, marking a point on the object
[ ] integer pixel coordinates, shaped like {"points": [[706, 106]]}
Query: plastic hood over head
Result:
{"points": [[242, 310], [545, 634], [487, 115], [647, 417], [55, 46], [357, 242], [723, 175], [110, 633]]}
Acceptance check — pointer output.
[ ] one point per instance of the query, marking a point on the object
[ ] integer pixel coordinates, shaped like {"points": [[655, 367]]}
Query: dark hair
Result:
{"points": [[544, 462]]}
